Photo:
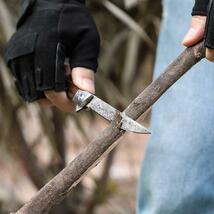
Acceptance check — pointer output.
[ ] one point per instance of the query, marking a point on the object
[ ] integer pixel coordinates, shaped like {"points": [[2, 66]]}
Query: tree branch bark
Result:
{"points": [[57, 189]]}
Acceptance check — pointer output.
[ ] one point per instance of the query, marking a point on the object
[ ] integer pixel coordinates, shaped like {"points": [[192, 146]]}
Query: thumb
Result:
{"points": [[83, 78], [196, 31]]}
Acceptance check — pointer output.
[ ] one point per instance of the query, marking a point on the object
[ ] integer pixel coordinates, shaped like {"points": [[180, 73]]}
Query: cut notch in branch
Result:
{"points": [[57, 189]]}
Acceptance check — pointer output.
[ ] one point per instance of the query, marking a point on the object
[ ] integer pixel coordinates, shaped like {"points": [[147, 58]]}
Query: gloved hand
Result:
{"points": [[48, 32], [200, 8], [202, 27]]}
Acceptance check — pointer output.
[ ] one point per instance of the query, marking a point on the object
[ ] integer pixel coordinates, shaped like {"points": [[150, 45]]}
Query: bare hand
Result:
{"points": [[196, 34]]}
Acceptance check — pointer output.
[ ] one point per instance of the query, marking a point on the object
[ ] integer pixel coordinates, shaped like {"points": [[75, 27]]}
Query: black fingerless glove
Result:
{"points": [[206, 8], [200, 8], [48, 32]]}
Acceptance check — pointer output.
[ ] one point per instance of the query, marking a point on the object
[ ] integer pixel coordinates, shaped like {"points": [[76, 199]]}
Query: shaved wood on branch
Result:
{"points": [[57, 189]]}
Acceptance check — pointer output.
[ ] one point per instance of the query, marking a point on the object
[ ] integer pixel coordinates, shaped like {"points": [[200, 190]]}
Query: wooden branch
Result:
{"points": [[57, 189], [6, 20]]}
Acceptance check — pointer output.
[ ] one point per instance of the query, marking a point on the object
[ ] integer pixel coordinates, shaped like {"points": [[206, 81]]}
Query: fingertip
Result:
{"points": [[193, 36], [88, 85], [185, 43], [84, 79], [210, 54], [187, 37]]}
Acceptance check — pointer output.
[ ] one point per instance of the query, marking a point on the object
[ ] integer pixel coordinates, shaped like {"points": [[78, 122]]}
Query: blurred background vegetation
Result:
{"points": [[36, 143]]}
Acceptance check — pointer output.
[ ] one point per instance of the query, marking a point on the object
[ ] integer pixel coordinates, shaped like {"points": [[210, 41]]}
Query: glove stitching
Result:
{"points": [[58, 44], [59, 21]]}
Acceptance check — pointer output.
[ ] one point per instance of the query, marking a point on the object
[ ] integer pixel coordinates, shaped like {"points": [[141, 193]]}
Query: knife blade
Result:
{"points": [[84, 99]]}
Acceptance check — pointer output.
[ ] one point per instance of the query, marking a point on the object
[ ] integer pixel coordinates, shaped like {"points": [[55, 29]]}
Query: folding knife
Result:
{"points": [[84, 99]]}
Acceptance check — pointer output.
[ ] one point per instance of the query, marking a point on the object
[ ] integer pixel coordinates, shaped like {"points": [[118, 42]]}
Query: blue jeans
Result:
{"points": [[177, 175]]}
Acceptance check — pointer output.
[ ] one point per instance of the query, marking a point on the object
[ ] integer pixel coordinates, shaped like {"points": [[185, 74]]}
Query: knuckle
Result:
{"points": [[210, 54], [52, 95]]}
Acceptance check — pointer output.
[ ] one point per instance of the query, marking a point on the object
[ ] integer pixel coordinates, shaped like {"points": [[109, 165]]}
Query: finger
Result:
{"points": [[210, 54], [60, 100], [45, 103], [84, 79], [196, 31]]}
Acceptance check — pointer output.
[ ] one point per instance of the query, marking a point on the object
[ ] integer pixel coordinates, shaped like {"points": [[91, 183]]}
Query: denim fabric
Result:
{"points": [[177, 175]]}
